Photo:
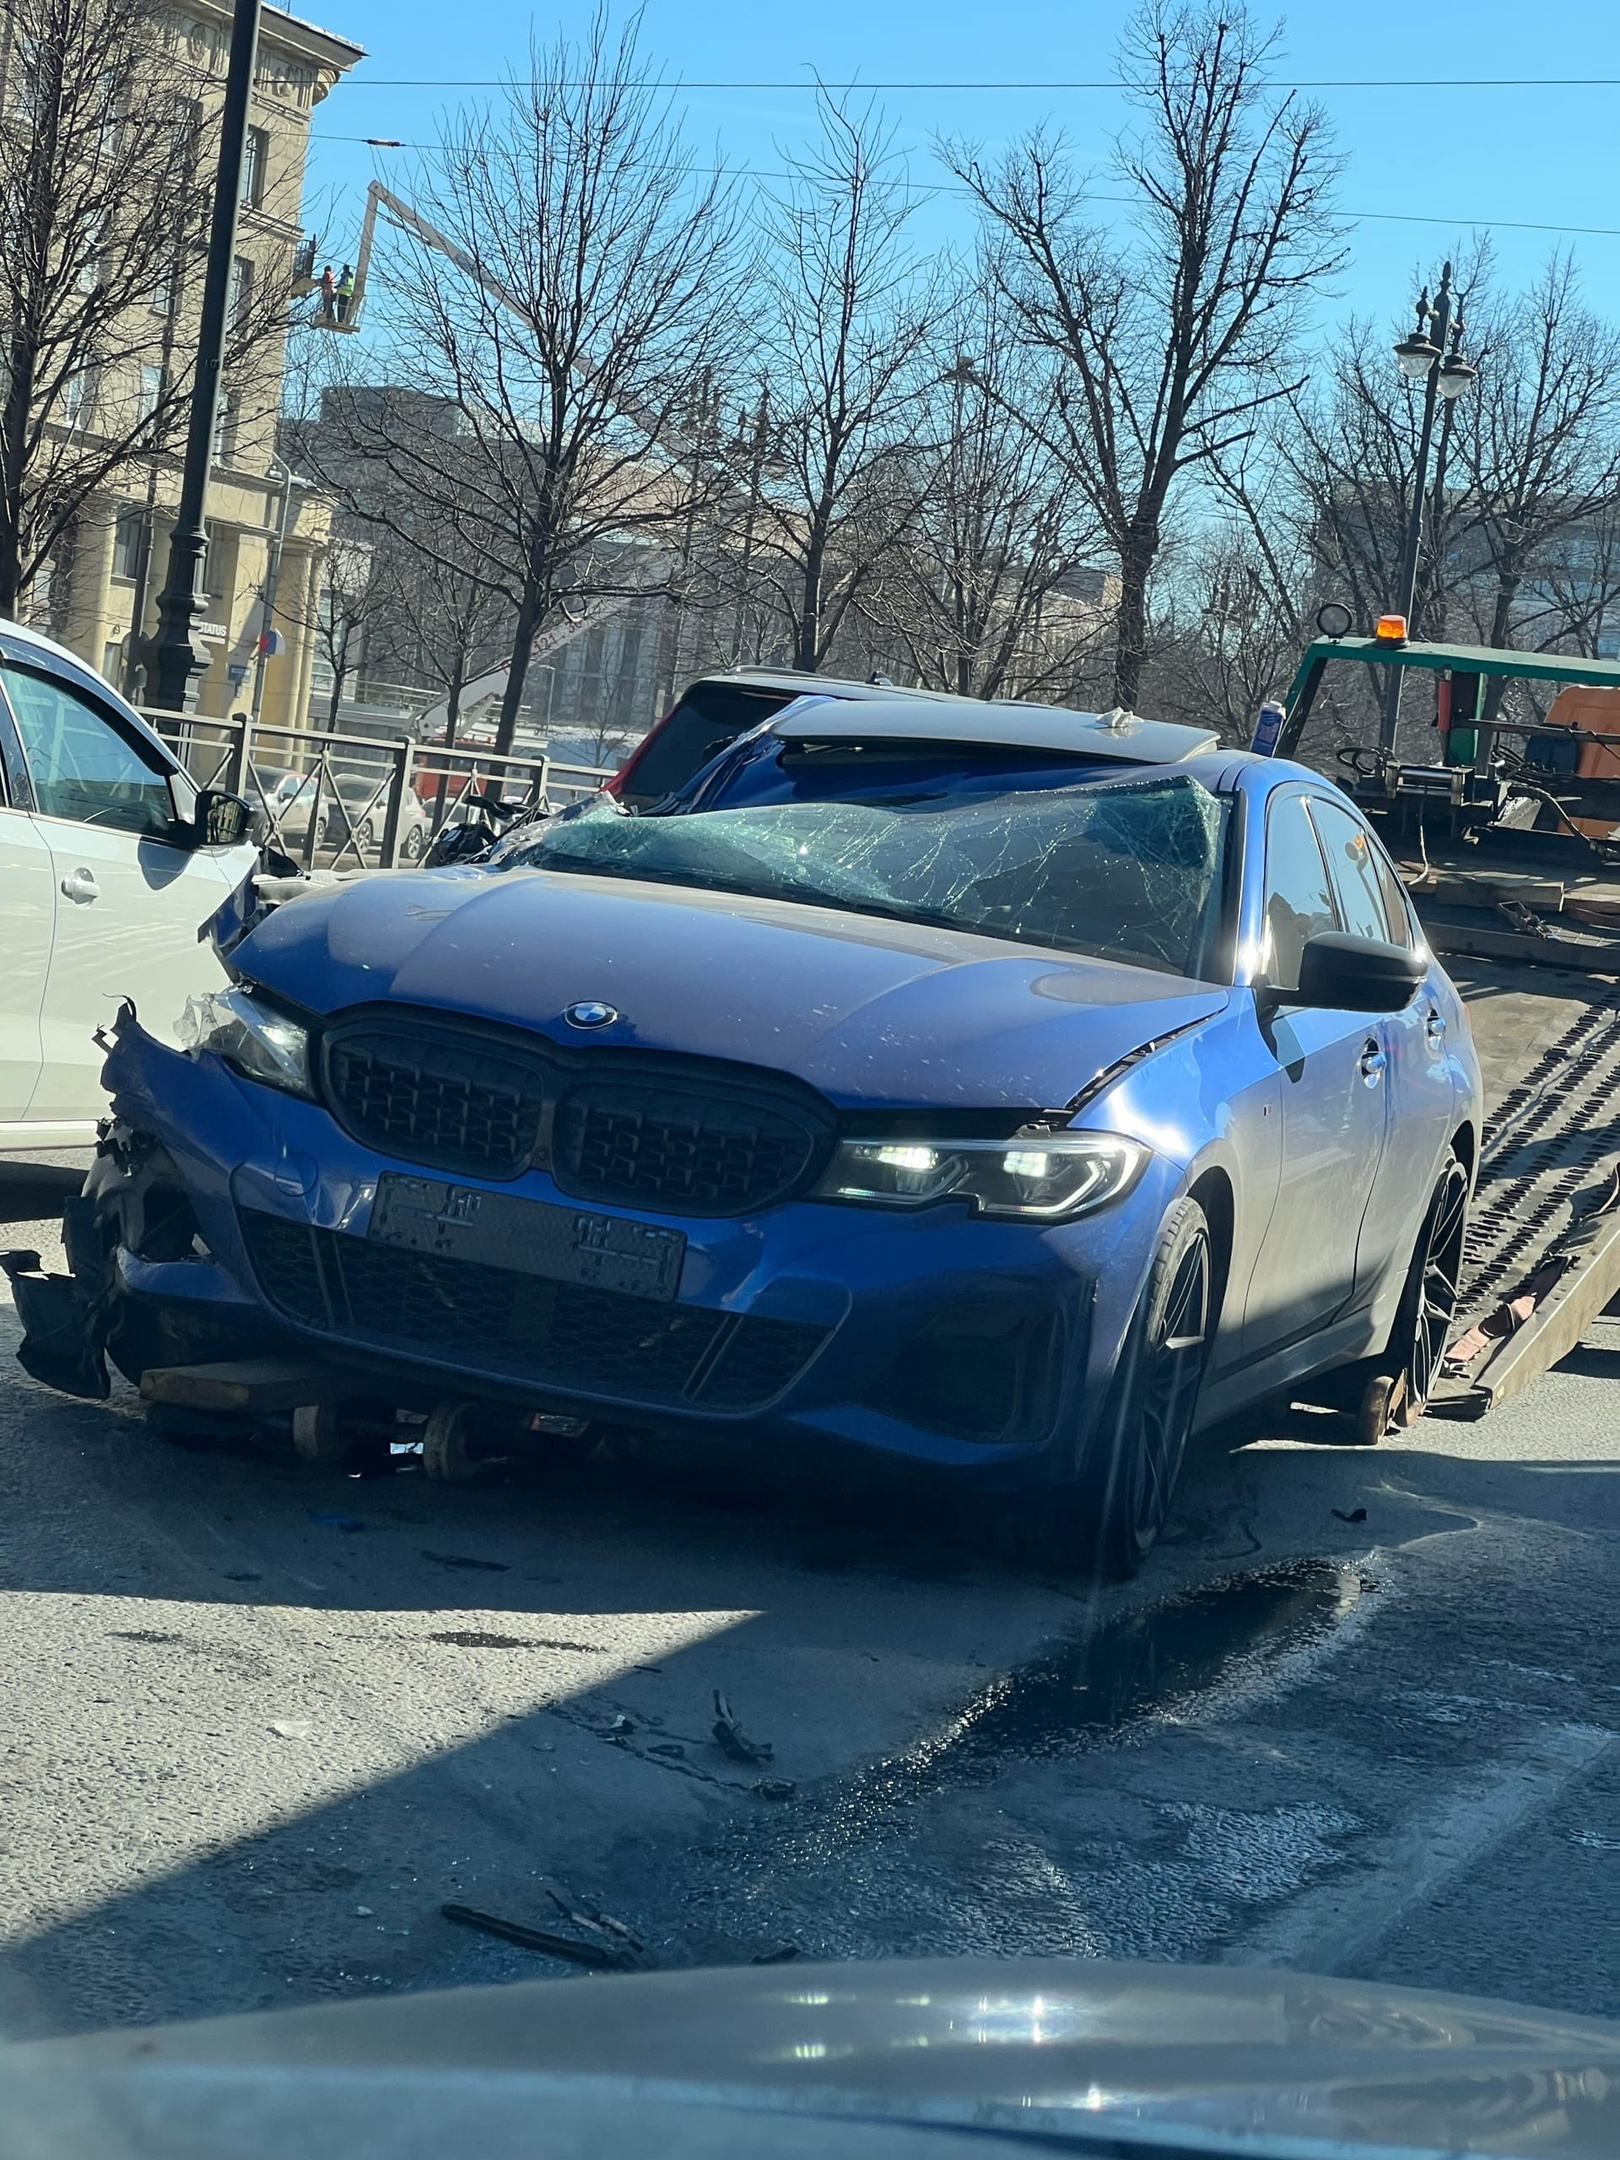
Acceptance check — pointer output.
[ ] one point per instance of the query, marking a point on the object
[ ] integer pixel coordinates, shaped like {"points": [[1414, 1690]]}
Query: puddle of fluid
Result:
{"points": [[905, 1856], [1139, 1662]]}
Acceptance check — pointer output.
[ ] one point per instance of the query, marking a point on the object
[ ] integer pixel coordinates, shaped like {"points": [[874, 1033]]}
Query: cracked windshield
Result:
{"points": [[809, 1080]]}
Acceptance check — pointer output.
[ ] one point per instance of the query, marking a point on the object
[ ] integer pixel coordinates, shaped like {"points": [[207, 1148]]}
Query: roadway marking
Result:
{"points": [[1331, 1926]]}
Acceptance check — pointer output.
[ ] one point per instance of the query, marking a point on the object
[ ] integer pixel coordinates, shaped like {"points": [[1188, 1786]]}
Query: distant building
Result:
{"points": [[101, 595]]}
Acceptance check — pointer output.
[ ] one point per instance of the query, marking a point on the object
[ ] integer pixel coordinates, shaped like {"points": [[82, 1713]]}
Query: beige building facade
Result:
{"points": [[119, 555]]}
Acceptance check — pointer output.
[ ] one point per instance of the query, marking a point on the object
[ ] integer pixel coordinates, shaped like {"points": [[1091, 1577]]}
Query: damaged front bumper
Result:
{"points": [[225, 1220]]}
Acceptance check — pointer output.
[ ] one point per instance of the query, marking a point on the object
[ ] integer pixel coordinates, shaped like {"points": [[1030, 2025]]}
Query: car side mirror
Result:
{"points": [[1357, 974], [221, 819]]}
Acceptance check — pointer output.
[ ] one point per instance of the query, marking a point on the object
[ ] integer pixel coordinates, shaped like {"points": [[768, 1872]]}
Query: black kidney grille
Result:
{"points": [[455, 1105], [521, 1327], [676, 1150], [661, 1133]]}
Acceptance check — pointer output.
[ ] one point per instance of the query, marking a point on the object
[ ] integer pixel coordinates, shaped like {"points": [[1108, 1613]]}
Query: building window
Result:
{"points": [[112, 659], [255, 160], [241, 290], [151, 392], [129, 536], [187, 133], [164, 291], [78, 395]]}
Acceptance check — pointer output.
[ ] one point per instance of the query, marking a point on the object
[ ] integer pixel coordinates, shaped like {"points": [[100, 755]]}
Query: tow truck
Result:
{"points": [[1507, 835]]}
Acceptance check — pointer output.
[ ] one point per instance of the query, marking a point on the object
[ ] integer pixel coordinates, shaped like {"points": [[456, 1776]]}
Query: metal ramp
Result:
{"points": [[1543, 1253]]}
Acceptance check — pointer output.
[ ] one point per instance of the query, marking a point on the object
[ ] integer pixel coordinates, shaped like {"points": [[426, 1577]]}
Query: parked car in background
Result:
{"points": [[352, 810], [981, 1088], [112, 863]]}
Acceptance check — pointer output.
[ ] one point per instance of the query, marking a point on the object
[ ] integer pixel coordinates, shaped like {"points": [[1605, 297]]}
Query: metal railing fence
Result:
{"points": [[357, 801]]}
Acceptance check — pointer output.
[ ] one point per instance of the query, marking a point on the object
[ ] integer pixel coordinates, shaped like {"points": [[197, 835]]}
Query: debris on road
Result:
{"points": [[774, 1788], [462, 1560], [783, 1955], [620, 1727], [62, 1336], [597, 1922], [615, 1948], [733, 1740], [291, 1728], [1355, 1515], [349, 1523]]}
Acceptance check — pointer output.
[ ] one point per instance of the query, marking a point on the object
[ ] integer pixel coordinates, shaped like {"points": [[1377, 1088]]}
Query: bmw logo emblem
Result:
{"points": [[591, 1013]]}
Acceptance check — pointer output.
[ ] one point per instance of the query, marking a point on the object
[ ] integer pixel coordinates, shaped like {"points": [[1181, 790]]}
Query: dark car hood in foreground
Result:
{"points": [[894, 2061], [865, 1009]]}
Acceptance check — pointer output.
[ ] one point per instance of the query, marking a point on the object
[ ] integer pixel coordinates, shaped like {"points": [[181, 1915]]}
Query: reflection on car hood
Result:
{"points": [[833, 2060], [867, 1010]]}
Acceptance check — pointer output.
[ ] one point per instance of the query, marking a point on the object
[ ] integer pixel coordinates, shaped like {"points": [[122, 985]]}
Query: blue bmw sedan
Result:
{"points": [[1002, 1091]]}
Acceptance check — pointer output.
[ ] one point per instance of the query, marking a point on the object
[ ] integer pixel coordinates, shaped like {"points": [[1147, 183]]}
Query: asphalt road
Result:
{"points": [[262, 1727]]}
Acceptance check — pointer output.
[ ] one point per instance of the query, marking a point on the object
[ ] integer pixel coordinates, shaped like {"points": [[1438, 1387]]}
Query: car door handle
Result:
{"points": [[81, 885], [1371, 1064]]}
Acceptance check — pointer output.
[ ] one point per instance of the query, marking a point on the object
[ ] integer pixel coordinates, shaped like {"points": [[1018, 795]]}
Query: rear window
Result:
{"points": [[708, 717]]}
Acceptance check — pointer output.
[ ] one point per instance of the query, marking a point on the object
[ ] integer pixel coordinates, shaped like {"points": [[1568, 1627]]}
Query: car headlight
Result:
{"points": [[1036, 1177], [252, 1038]]}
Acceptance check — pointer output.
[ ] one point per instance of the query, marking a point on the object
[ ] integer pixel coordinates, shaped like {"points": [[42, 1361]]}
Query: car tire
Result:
{"points": [[1400, 1383], [1106, 1520], [414, 842], [469, 1443]]}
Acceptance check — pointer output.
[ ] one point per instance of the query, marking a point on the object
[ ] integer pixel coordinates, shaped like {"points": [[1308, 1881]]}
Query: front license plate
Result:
{"points": [[527, 1237]]}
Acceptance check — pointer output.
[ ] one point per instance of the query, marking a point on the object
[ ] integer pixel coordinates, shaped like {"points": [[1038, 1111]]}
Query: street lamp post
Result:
{"points": [[1432, 355], [173, 655]]}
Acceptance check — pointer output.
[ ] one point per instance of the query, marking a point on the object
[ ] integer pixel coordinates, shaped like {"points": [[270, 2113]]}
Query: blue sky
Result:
{"points": [[1488, 157]]}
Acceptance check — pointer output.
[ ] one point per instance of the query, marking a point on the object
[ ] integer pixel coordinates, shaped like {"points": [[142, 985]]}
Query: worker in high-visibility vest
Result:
{"points": [[345, 292]]}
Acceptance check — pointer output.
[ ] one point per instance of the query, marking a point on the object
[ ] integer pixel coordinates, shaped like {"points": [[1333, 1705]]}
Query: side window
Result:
{"points": [[81, 767], [1396, 905], [1299, 903], [1354, 862]]}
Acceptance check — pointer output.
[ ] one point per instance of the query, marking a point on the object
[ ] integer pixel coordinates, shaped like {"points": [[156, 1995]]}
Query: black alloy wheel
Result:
{"points": [[1167, 1354], [1106, 1521], [1395, 1396]]}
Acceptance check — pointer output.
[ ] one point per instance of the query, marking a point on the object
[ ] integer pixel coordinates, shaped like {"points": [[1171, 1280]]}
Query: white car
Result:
{"points": [[112, 862]]}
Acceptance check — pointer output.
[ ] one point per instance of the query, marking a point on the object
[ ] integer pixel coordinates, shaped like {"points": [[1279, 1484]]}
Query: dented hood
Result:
{"points": [[867, 1010]]}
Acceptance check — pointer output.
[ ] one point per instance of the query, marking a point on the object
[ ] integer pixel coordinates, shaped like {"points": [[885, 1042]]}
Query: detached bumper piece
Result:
{"points": [[523, 1327], [63, 1329]]}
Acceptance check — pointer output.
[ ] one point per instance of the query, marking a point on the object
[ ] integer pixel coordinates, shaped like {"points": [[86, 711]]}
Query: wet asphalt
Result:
{"points": [[1356, 1716]]}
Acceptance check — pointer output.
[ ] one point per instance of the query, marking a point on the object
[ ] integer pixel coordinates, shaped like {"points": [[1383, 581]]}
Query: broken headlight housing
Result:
{"points": [[1034, 1177], [253, 1038]]}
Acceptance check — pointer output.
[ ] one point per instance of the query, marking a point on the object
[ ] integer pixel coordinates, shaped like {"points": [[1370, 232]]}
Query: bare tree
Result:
{"points": [[581, 284], [845, 315], [1175, 339], [1541, 445], [105, 186], [347, 601], [1230, 637], [992, 592], [435, 619]]}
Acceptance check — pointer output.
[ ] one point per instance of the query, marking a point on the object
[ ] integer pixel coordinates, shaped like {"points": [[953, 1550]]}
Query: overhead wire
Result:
{"points": [[946, 187], [1103, 83]]}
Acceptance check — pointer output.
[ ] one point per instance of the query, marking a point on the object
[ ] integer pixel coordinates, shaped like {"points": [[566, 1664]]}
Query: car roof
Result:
{"points": [[904, 716], [19, 634], [18, 642]]}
